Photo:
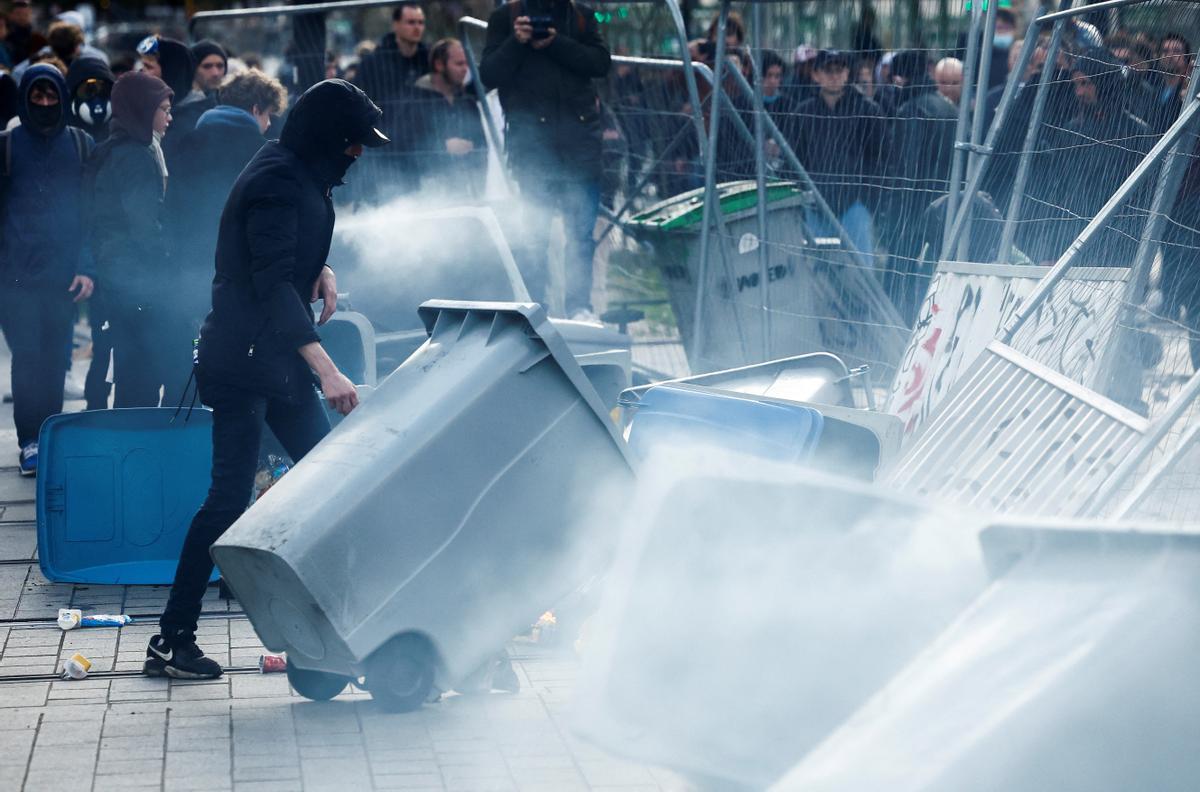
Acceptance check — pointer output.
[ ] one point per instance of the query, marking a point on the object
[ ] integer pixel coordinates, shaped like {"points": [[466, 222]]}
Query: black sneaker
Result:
{"points": [[180, 659]]}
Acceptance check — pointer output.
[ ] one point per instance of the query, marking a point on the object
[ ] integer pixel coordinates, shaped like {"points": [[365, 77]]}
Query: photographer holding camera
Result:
{"points": [[542, 56]]}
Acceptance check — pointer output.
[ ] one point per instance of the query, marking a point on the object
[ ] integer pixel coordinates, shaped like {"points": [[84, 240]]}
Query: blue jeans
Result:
{"points": [[859, 225], [577, 201], [238, 420]]}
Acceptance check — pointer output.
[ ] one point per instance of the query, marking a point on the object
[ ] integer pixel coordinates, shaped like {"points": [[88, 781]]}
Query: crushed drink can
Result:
{"points": [[106, 620], [76, 667], [69, 618], [272, 664]]}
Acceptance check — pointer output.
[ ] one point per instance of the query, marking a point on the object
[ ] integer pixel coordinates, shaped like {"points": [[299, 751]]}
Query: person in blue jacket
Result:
{"points": [[45, 267], [259, 357], [210, 159]]}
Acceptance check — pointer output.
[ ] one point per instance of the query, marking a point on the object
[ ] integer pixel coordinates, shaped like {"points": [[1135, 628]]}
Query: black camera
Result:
{"points": [[541, 24]]}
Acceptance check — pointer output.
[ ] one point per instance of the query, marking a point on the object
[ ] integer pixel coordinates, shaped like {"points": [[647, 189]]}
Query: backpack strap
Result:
{"points": [[7, 135], [81, 146]]}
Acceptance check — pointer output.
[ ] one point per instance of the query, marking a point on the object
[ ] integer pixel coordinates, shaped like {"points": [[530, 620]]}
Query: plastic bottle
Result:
{"points": [[105, 620], [69, 618], [76, 667]]}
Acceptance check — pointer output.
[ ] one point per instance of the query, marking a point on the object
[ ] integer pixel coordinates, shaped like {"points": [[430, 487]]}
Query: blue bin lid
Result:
{"points": [[117, 490]]}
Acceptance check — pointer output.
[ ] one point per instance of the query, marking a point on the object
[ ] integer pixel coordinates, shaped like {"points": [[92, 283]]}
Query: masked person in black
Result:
{"points": [[542, 56], [89, 85], [43, 261], [258, 348]]}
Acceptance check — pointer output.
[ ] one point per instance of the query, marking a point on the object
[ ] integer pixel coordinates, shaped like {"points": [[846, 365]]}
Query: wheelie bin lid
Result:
{"points": [[538, 325], [685, 212]]}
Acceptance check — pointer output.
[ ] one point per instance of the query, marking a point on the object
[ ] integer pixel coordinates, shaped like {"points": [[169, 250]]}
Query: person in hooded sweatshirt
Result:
{"points": [[127, 180], [259, 349], [45, 266], [89, 85], [209, 160]]}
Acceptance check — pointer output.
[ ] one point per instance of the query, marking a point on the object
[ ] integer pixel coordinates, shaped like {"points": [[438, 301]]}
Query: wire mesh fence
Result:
{"points": [[880, 152]]}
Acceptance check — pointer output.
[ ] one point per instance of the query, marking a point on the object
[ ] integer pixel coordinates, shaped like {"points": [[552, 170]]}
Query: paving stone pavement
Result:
{"points": [[249, 731]]}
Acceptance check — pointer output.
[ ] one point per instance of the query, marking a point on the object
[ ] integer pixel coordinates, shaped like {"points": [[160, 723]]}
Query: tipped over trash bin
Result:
{"points": [[439, 519]]}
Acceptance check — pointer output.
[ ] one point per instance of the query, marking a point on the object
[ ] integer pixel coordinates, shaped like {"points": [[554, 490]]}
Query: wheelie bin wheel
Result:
{"points": [[315, 685], [400, 673]]}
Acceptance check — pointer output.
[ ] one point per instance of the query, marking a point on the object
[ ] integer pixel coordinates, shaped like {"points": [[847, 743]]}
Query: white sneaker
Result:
{"points": [[585, 315]]}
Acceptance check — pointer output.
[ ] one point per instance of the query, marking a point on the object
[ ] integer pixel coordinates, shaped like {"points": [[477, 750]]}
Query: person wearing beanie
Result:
{"points": [[259, 349], [191, 100], [211, 65], [127, 178], [44, 264]]}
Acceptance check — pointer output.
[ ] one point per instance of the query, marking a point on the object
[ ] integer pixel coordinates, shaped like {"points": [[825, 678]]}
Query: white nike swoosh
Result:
{"points": [[166, 658]]}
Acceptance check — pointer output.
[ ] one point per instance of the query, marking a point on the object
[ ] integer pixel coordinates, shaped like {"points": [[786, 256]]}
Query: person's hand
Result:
{"points": [[522, 29], [459, 146], [543, 43], [84, 285], [339, 392], [325, 289]]}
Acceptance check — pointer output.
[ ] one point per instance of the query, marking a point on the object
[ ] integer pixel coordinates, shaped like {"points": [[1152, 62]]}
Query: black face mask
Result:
{"points": [[44, 118]]}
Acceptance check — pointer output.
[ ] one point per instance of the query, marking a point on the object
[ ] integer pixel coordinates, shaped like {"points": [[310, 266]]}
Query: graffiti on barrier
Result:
{"points": [[968, 304]]}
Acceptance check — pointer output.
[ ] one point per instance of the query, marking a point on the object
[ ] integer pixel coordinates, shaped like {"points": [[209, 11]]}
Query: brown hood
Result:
{"points": [[135, 97]]}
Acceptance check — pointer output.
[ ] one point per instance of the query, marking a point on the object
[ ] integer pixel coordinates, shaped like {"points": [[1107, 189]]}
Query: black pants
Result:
{"points": [[238, 420], [151, 351], [37, 326]]}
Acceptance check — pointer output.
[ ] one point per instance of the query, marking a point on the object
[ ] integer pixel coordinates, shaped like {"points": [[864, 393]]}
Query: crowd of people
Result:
{"points": [[876, 130], [117, 169], [117, 176]]}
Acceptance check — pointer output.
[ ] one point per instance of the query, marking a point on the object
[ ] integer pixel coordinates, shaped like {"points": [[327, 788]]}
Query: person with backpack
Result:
{"points": [[127, 180], [542, 56], [45, 267]]}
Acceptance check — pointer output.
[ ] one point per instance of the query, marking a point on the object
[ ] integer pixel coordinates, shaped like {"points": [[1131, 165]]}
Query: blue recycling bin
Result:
{"points": [[117, 490]]}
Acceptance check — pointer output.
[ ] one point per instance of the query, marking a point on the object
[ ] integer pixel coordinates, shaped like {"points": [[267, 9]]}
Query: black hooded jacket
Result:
{"points": [[550, 104], [125, 186], [275, 233]]}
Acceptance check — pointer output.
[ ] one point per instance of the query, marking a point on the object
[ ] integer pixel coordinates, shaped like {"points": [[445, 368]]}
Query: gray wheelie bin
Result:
{"points": [[440, 518]]}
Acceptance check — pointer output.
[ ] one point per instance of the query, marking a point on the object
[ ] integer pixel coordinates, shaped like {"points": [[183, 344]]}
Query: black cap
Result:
{"points": [[830, 57]]}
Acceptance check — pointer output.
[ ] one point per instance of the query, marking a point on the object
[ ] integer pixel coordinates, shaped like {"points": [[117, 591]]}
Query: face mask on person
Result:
{"points": [[1003, 40], [44, 117], [91, 102]]}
